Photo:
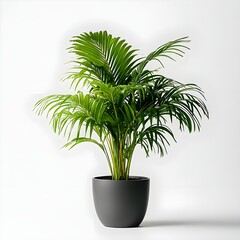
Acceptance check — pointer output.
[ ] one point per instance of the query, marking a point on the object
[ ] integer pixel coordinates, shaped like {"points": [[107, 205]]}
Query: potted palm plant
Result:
{"points": [[125, 105]]}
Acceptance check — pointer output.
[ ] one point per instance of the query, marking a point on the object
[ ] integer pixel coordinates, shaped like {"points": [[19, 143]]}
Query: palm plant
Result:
{"points": [[126, 103]]}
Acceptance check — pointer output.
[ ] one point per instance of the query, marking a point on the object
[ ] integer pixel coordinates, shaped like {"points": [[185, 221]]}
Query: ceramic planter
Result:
{"points": [[121, 203]]}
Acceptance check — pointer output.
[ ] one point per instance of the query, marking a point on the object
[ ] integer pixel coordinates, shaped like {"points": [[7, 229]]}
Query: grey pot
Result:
{"points": [[120, 203]]}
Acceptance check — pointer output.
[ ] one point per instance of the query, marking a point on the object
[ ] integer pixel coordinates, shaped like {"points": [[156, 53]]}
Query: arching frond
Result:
{"points": [[70, 111], [106, 58], [167, 50], [154, 138]]}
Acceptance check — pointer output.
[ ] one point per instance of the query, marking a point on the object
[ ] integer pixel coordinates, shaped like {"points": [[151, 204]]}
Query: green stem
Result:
{"points": [[108, 158], [130, 155], [121, 159]]}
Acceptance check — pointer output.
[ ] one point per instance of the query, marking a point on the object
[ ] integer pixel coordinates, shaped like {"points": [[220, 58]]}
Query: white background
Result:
{"points": [[45, 192]]}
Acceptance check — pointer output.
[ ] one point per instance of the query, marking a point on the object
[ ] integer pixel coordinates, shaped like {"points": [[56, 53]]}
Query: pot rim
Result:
{"points": [[131, 178]]}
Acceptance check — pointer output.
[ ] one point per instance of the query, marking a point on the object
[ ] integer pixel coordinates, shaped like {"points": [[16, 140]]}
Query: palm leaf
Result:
{"points": [[79, 140], [167, 50], [107, 58]]}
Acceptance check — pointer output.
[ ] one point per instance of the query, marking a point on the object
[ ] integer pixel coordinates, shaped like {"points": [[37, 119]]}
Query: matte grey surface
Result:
{"points": [[121, 203]]}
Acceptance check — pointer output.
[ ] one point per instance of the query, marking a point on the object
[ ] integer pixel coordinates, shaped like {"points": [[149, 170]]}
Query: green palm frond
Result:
{"points": [[68, 111], [127, 104], [79, 140], [168, 50], [104, 57], [154, 138]]}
